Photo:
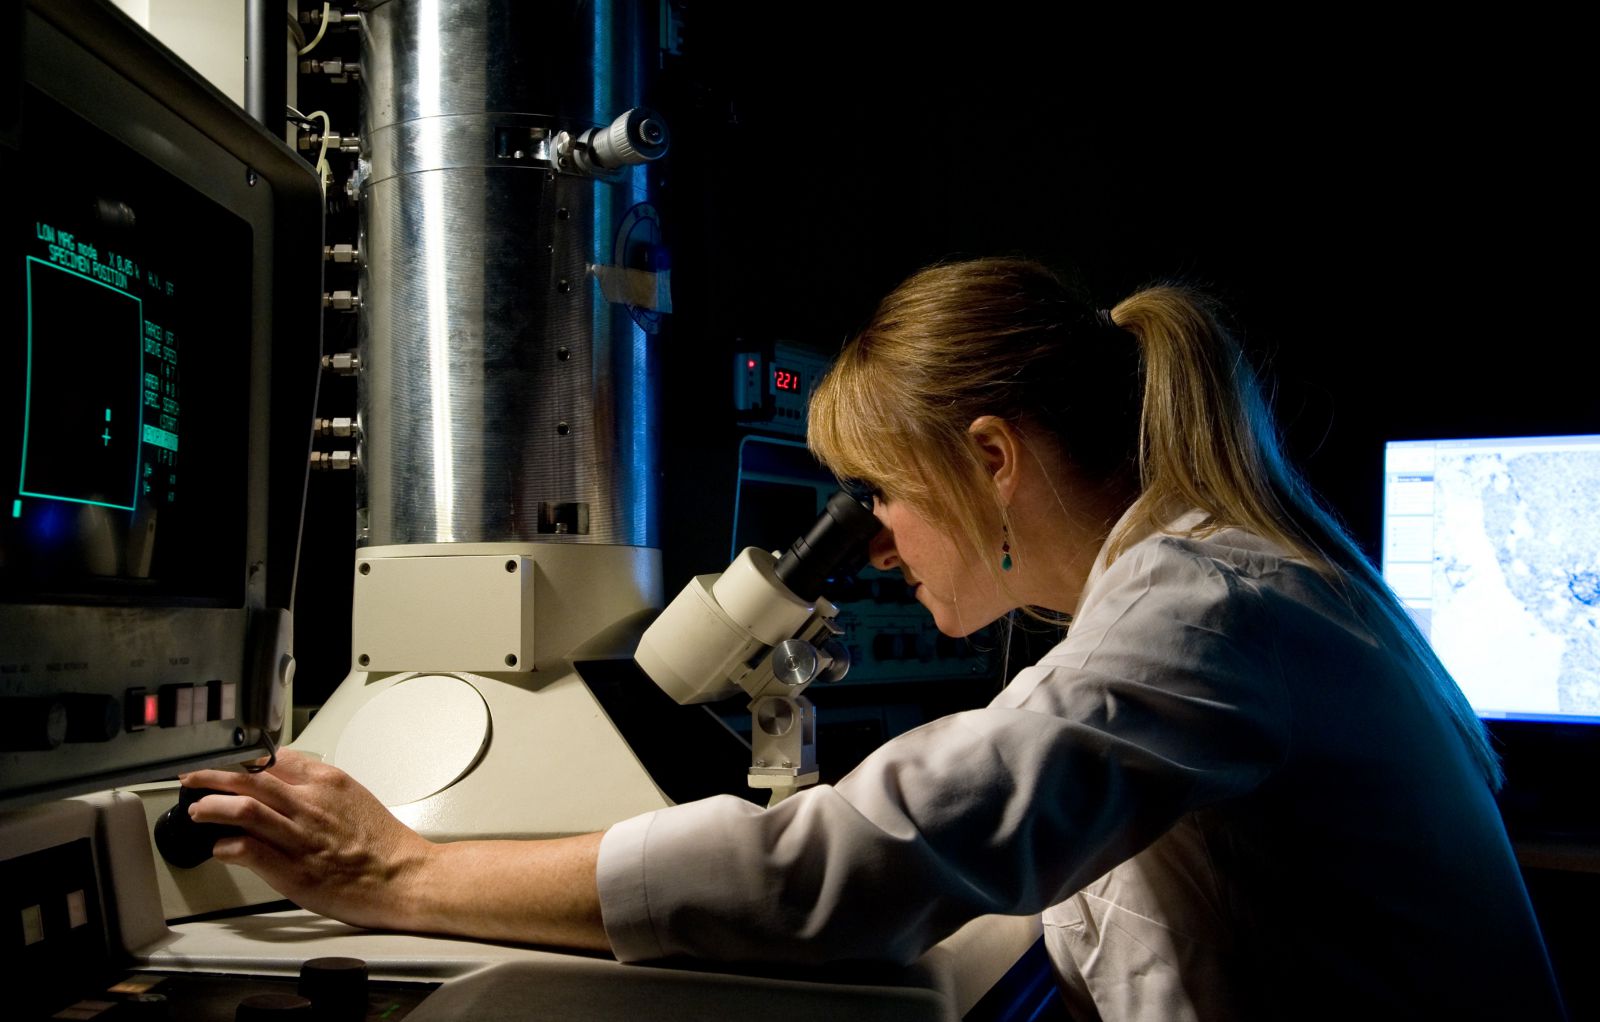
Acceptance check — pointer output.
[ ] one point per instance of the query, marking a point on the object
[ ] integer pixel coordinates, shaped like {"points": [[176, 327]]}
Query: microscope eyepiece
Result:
{"points": [[836, 543]]}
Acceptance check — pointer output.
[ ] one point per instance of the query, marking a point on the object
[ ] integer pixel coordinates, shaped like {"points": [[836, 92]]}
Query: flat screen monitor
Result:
{"points": [[1493, 544]]}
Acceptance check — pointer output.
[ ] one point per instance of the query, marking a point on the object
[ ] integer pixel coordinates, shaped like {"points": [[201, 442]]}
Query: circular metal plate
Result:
{"points": [[415, 738]]}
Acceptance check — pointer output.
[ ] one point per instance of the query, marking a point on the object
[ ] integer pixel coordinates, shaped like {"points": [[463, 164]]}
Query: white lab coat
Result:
{"points": [[1224, 793]]}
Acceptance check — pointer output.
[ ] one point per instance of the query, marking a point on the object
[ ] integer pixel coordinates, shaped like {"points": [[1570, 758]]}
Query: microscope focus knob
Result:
{"points": [[838, 656], [795, 662]]}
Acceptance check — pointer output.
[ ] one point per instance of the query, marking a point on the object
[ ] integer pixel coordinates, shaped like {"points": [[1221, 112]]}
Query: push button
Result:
{"points": [[176, 706], [222, 700]]}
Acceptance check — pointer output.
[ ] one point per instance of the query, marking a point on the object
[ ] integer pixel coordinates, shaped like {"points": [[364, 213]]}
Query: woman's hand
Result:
{"points": [[318, 838], [327, 844]]}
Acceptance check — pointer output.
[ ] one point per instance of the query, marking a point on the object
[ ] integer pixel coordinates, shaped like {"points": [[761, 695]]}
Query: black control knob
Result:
{"points": [[32, 723], [337, 987], [265, 1007], [92, 718], [183, 842]]}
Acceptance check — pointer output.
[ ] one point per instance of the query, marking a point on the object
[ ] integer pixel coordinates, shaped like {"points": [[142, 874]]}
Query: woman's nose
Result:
{"points": [[881, 553]]}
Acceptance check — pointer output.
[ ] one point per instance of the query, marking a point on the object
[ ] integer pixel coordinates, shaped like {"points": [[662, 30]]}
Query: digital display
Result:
{"points": [[1494, 547], [126, 293], [786, 380]]}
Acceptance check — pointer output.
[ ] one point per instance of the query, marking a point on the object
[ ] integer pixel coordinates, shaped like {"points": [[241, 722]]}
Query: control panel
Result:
{"points": [[771, 389], [891, 637], [77, 908], [84, 705]]}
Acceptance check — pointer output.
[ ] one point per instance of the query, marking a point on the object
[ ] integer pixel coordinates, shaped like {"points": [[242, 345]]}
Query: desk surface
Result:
{"points": [[495, 981]]}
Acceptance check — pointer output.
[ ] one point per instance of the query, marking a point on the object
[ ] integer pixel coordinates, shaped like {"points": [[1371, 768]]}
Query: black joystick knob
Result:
{"points": [[183, 842], [337, 987], [265, 1007]]}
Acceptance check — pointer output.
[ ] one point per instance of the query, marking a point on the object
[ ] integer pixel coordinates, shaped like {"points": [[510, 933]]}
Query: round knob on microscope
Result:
{"points": [[838, 655], [337, 986], [795, 662], [265, 1007]]}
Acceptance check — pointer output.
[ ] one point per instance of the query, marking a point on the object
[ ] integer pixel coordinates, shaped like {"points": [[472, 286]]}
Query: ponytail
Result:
{"points": [[1207, 441]]}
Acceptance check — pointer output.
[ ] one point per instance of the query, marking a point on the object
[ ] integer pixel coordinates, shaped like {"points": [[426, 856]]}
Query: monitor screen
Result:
{"points": [[123, 432], [1493, 544]]}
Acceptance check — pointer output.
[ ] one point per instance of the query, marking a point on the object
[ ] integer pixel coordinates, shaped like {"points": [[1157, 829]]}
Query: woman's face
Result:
{"points": [[962, 594]]}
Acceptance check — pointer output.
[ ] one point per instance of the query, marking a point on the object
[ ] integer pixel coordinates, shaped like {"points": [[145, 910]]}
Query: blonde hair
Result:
{"points": [[1156, 395]]}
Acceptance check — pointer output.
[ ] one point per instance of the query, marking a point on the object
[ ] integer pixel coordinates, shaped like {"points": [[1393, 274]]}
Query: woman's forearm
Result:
{"points": [[529, 892]]}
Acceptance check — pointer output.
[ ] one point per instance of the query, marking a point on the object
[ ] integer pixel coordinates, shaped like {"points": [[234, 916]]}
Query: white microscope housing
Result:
{"points": [[763, 627]]}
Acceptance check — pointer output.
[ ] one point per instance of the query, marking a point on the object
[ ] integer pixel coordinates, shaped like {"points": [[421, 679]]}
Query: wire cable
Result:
{"points": [[324, 172], [272, 755], [322, 28]]}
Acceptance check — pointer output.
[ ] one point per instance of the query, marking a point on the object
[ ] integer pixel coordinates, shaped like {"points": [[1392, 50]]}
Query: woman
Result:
{"points": [[1241, 787]]}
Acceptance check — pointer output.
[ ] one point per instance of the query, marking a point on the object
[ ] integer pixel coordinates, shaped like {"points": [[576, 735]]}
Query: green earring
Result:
{"points": [[1005, 556]]}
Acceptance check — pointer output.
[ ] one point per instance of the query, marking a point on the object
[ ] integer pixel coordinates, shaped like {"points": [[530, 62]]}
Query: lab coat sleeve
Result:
{"points": [[1165, 697]]}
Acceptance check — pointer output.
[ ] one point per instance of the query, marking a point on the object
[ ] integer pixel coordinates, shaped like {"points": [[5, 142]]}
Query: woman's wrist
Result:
{"points": [[417, 891]]}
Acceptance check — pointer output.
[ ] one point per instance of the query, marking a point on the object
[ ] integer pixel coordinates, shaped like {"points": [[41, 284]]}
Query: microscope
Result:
{"points": [[763, 626]]}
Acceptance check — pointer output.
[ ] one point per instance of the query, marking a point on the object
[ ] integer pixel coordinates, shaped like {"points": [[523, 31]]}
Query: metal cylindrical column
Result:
{"points": [[502, 397]]}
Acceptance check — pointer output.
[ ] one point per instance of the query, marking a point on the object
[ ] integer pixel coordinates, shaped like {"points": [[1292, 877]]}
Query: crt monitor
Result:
{"points": [[1494, 546], [159, 341]]}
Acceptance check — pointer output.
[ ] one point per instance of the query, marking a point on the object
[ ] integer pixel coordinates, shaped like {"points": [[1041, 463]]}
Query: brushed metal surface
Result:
{"points": [[495, 377]]}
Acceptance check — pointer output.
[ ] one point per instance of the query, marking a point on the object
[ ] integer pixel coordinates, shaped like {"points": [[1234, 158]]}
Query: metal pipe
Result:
{"points": [[266, 89]]}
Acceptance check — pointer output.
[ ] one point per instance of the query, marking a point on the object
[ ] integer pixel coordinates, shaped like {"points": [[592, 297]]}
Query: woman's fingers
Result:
{"points": [[316, 835], [217, 780], [292, 767], [251, 816], [258, 856], [263, 787]]}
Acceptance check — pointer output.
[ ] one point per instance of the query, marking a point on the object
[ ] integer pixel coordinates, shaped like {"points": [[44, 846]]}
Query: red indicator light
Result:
{"points": [[152, 709], [751, 364]]}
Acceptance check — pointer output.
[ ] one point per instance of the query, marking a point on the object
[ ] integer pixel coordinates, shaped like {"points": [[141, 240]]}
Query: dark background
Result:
{"points": [[1390, 210]]}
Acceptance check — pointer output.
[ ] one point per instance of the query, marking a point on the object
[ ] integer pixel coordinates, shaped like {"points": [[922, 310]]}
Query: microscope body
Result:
{"points": [[763, 627], [744, 629]]}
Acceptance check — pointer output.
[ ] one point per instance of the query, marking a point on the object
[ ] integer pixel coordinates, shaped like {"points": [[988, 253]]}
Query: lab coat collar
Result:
{"points": [[1180, 525]]}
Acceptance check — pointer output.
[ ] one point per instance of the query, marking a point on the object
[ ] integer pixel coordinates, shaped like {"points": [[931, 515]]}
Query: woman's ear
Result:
{"points": [[1000, 447]]}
